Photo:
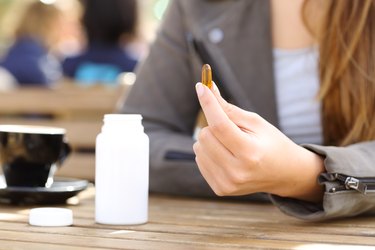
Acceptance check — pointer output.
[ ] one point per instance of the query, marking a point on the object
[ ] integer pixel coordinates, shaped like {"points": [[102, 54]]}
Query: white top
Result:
{"points": [[297, 85]]}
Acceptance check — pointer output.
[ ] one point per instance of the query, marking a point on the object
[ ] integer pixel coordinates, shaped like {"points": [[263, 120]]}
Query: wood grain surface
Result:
{"points": [[187, 223]]}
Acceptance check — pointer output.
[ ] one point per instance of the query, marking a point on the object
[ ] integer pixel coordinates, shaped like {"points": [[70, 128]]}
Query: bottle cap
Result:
{"points": [[50, 217]]}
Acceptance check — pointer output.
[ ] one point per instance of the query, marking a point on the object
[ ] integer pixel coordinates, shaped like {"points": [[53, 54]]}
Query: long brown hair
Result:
{"points": [[346, 37]]}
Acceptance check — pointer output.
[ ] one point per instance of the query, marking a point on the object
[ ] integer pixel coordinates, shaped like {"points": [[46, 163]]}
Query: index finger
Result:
{"points": [[228, 133]]}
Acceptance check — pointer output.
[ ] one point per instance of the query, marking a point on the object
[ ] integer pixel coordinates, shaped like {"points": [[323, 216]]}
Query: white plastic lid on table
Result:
{"points": [[51, 217]]}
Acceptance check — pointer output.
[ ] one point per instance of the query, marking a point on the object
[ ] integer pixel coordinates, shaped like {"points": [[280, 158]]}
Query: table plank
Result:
{"points": [[190, 237], [187, 223], [18, 245], [120, 239]]}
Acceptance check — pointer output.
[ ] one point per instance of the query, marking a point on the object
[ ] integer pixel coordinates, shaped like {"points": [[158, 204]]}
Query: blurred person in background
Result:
{"points": [[29, 60], [71, 36], [110, 26]]}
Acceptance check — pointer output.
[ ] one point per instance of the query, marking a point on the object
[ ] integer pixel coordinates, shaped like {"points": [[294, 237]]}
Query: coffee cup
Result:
{"points": [[30, 155]]}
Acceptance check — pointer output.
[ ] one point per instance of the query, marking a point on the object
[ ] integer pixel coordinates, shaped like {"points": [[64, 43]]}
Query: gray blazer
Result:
{"points": [[234, 36]]}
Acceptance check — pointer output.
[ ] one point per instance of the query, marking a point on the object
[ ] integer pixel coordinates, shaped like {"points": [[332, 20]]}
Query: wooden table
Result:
{"points": [[186, 223]]}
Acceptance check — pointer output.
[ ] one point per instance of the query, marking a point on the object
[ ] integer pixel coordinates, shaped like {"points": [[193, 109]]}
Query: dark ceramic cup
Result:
{"points": [[30, 155]]}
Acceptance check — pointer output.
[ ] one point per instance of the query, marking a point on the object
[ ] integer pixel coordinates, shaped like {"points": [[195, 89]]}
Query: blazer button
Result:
{"points": [[216, 35]]}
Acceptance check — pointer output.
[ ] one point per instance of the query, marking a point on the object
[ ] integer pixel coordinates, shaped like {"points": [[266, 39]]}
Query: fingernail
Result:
{"points": [[199, 88], [214, 87]]}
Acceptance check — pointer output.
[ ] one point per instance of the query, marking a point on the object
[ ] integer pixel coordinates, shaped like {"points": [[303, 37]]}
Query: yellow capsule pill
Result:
{"points": [[207, 75]]}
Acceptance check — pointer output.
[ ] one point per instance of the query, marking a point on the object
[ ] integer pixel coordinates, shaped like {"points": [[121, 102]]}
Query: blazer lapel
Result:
{"points": [[239, 40]]}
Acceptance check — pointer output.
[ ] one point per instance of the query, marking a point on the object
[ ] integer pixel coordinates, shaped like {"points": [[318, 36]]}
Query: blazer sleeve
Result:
{"points": [[164, 94], [349, 184]]}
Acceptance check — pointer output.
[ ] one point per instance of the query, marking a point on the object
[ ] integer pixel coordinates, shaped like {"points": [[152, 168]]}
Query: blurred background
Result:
{"points": [[151, 11]]}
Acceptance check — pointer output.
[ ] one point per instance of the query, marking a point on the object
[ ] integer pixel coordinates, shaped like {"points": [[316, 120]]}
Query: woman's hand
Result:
{"points": [[241, 153]]}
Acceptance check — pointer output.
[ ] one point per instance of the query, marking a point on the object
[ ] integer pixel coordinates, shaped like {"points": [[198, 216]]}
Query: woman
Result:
{"points": [[272, 59], [29, 59]]}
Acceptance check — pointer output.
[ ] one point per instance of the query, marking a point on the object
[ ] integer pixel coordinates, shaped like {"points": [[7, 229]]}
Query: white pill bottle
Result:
{"points": [[122, 171]]}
